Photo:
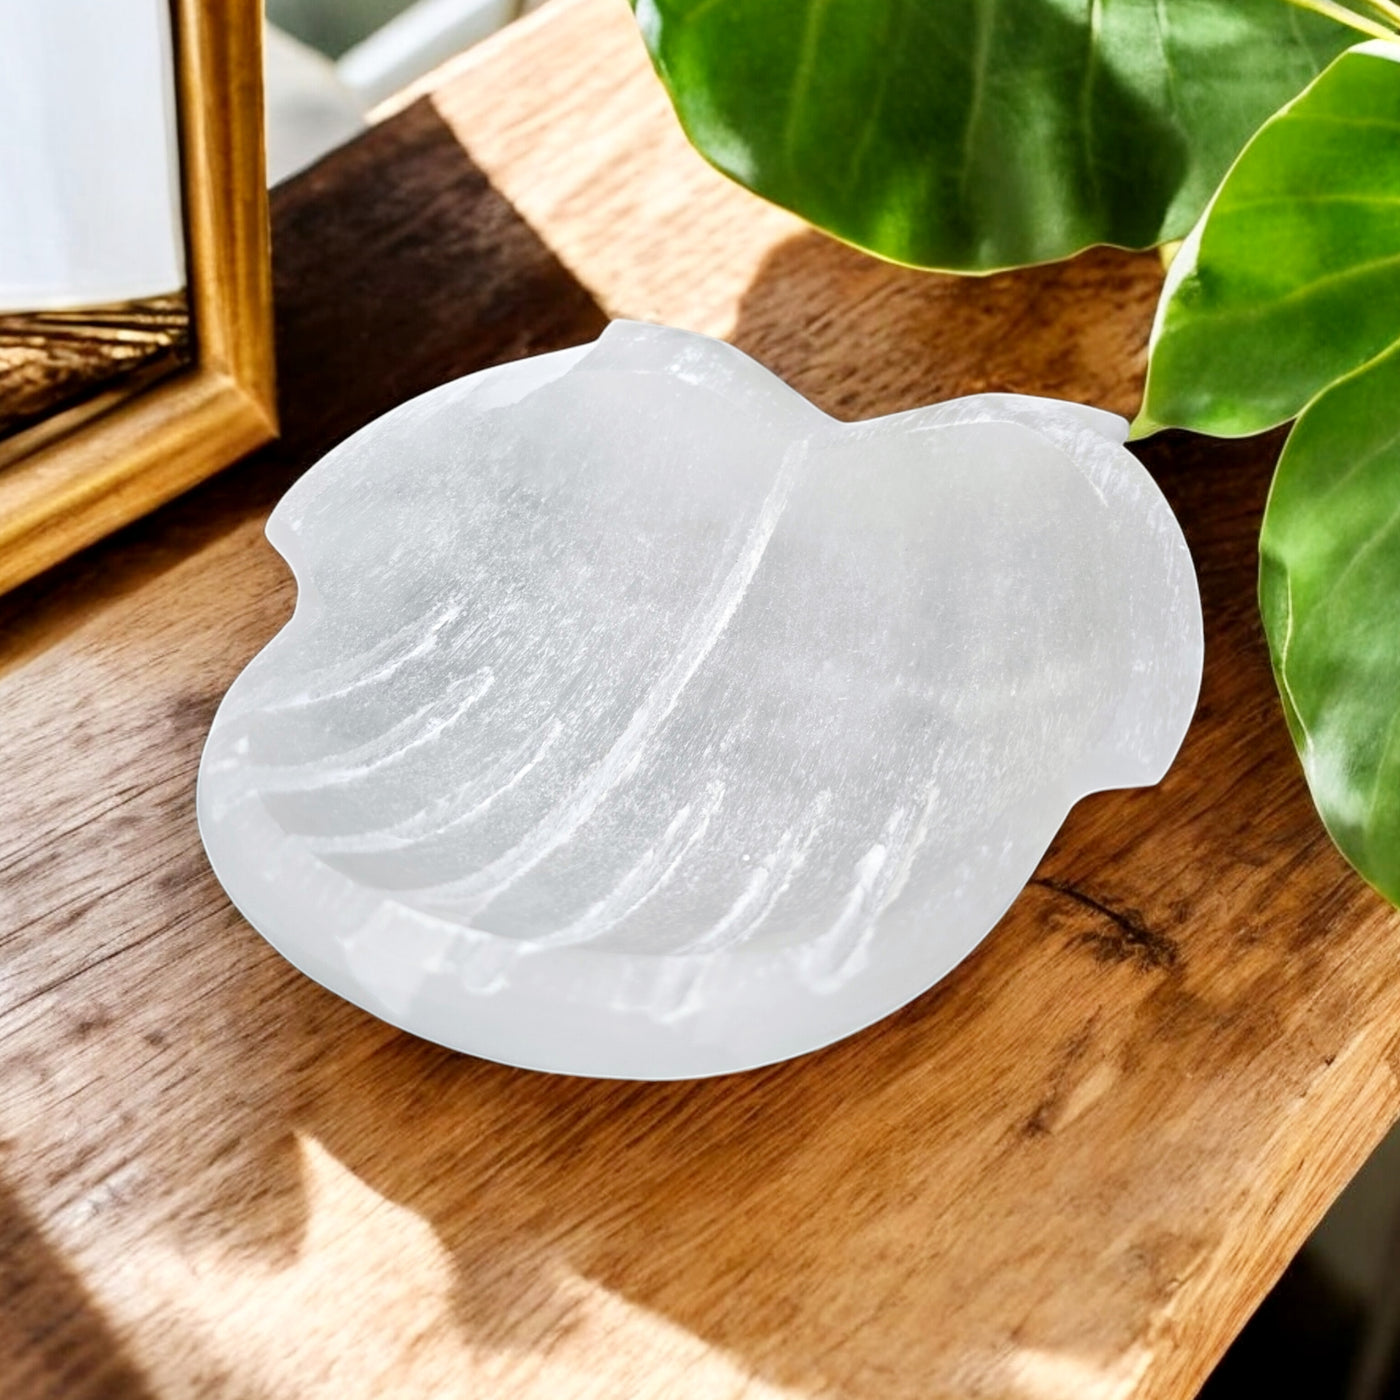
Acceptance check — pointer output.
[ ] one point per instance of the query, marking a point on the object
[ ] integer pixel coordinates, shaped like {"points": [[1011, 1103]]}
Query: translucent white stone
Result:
{"points": [[638, 719]]}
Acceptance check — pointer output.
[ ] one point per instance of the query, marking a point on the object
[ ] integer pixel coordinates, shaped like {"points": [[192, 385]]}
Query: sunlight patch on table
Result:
{"points": [[1031, 1373], [372, 1307], [577, 182]]}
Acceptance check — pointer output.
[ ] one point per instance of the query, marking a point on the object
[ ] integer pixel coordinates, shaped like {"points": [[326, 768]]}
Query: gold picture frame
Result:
{"points": [[79, 480]]}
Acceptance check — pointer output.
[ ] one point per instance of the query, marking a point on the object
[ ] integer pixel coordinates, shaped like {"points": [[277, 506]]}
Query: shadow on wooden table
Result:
{"points": [[560, 1206], [310, 1189], [54, 1339], [825, 316]]}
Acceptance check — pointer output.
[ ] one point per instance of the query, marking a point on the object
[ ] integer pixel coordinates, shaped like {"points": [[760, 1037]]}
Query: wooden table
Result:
{"points": [[1069, 1171]]}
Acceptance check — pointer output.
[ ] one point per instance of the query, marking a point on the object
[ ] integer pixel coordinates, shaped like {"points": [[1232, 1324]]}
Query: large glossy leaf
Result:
{"points": [[1293, 278], [978, 134], [1329, 588], [1287, 297]]}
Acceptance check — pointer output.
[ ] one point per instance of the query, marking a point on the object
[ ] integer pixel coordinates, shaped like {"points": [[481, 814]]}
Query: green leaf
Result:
{"points": [[1293, 277], [1287, 298], [1329, 590], [972, 135]]}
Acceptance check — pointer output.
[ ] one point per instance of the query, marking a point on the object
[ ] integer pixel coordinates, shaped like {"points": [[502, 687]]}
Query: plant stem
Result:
{"points": [[1373, 28]]}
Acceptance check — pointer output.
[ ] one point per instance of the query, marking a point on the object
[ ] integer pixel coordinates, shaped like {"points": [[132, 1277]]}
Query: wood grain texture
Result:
{"points": [[1066, 1173], [53, 360], [73, 487]]}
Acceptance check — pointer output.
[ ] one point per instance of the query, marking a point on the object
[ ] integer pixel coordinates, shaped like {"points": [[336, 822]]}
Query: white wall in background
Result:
{"points": [[314, 104], [417, 40], [309, 109], [89, 165]]}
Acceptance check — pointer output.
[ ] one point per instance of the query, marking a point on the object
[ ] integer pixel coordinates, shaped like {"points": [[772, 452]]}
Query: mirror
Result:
{"points": [[135, 328], [92, 244]]}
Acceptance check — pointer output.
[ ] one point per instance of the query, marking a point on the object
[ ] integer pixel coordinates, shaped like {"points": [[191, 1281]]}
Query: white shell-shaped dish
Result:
{"points": [[637, 719]]}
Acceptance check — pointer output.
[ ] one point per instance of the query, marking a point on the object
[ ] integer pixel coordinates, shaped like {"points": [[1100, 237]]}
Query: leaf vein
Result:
{"points": [[1392, 732], [1300, 293], [802, 76], [1326, 604], [1086, 102], [981, 52], [1294, 200]]}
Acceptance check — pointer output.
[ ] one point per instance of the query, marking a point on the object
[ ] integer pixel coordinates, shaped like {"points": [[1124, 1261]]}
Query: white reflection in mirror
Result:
{"points": [[92, 255]]}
